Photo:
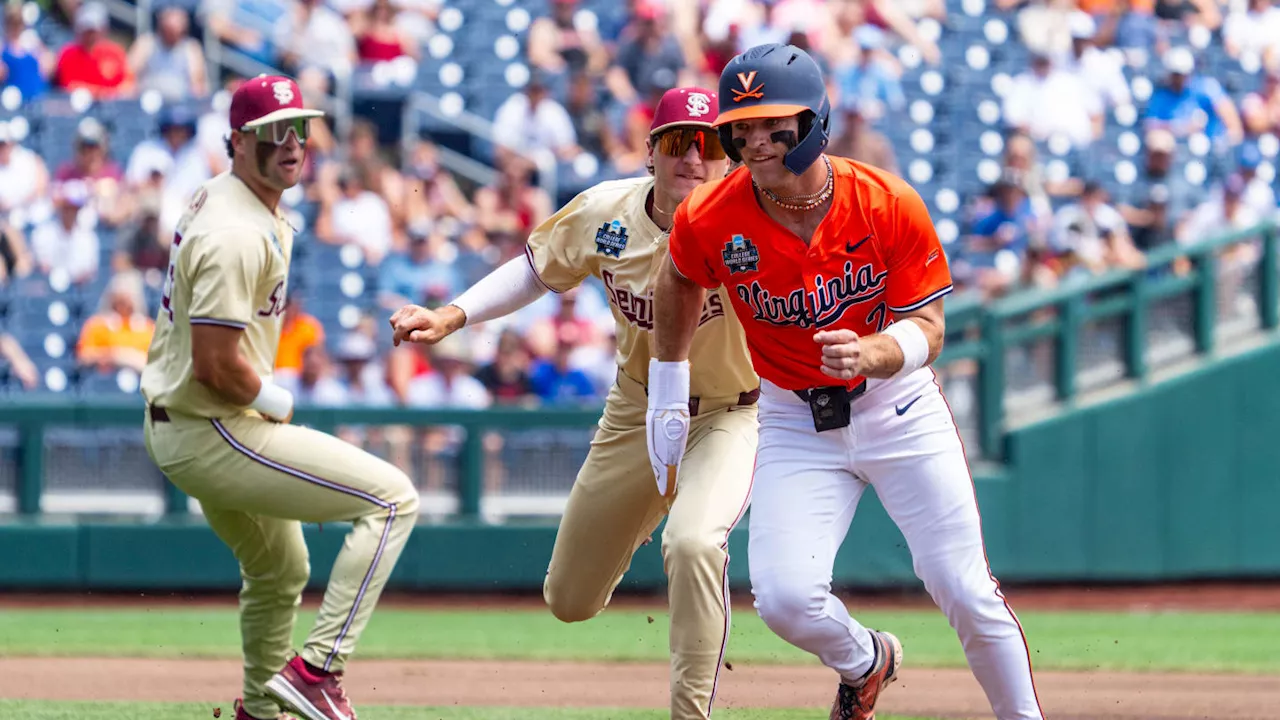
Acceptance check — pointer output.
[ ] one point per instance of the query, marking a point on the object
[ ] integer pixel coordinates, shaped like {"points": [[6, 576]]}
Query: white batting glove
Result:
{"points": [[667, 421]]}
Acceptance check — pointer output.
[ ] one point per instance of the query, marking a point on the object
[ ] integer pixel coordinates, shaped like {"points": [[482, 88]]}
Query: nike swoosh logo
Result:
{"points": [[336, 712], [903, 410], [852, 247]]}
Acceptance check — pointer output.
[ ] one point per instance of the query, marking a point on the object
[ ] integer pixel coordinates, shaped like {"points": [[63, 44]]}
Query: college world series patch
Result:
{"points": [[740, 255], [611, 239]]}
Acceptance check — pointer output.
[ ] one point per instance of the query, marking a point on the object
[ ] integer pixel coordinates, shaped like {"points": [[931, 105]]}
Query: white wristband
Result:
{"points": [[668, 383], [273, 401], [914, 344]]}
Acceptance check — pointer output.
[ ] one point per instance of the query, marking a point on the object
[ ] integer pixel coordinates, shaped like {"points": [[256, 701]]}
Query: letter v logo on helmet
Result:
{"points": [[747, 91]]}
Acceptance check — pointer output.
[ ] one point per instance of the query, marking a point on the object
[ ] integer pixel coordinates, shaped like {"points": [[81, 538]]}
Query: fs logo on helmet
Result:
{"points": [[698, 105], [283, 92]]}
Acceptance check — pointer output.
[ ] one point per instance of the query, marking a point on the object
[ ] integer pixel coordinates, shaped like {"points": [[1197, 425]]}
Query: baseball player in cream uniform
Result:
{"points": [[217, 425], [616, 231]]}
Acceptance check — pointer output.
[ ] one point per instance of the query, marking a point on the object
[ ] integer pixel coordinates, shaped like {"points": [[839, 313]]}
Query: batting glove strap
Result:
{"points": [[667, 421]]}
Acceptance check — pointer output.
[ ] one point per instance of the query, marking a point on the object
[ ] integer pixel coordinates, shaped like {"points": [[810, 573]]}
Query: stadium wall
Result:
{"points": [[1174, 481]]}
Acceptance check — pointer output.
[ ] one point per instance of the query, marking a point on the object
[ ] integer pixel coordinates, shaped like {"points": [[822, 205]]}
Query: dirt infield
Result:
{"points": [[921, 691], [932, 693]]}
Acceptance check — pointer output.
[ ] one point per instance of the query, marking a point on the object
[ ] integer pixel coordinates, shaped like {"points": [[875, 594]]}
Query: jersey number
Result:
{"points": [[166, 299], [878, 316]]}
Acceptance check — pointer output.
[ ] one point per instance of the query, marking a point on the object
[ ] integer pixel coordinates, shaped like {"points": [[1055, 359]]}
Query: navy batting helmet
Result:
{"points": [[772, 81]]}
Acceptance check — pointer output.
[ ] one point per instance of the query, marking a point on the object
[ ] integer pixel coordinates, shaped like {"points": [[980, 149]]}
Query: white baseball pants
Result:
{"points": [[903, 441]]}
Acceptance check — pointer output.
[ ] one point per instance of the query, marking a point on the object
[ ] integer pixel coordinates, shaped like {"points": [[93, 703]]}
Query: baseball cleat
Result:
{"points": [[309, 696], [859, 703], [242, 714]]}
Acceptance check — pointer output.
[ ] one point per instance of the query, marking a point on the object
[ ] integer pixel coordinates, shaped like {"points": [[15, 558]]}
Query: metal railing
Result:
{"points": [[988, 350]]}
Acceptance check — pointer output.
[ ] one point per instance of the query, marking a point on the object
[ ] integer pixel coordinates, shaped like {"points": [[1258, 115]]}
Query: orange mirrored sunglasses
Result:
{"points": [[677, 141]]}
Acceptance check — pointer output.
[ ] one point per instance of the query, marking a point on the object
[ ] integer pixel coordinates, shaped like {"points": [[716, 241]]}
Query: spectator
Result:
{"points": [[380, 38], [363, 155], [300, 332], [24, 179], [592, 127], [15, 259], [1092, 237], [360, 372], [67, 242], [451, 384], [859, 140], [140, 245], [1258, 194], [560, 45], [1187, 103], [1150, 223], [997, 253], [1131, 26], [26, 62], [430, 191], [864, 76], [91, 163], [1254, 30], [531, 121], [421, 275], [1224, 211], [355, 215], [174, 165], [570, 323], [556, 382], [1158, 169], [649, 60], [314, 382], [170, 61], [117, 336], [513, 205], [245, 25], [315, 44], [1044, 102], [1097, 70], [1021, 163], [1261, 109], [93, 61], [879, 22], [15, 362], [507, 377]]}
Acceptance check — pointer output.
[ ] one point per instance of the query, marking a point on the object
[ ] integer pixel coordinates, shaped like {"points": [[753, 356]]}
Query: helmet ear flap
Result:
{"points": [[726, 142]]}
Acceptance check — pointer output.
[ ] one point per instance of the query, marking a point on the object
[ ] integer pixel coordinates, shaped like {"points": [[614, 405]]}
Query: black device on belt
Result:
{"points": [[832, 405]]}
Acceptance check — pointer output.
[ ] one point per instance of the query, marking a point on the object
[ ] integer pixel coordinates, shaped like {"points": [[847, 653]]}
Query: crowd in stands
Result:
{"points": [[424, 234]]}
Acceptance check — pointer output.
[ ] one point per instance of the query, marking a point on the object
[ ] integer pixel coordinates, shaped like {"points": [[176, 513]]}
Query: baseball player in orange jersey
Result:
{"points": [[218, 427], [838, 276], [616, 231]]}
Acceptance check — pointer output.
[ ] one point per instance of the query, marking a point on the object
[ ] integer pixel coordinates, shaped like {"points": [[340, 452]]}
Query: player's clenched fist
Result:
{"points": [[415, 323], [841, 353]]}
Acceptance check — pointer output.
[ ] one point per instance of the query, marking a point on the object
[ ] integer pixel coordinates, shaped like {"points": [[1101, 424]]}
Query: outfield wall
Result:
{"points": [[1178, 480]]}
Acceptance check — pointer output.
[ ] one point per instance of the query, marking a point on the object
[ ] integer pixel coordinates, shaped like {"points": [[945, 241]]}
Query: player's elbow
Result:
{"points": [[205, 370]]}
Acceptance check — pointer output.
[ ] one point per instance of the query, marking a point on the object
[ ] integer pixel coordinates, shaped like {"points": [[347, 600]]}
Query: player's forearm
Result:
{"points": [[882, 354], [235, 381], [502, 292], [677, 306]]}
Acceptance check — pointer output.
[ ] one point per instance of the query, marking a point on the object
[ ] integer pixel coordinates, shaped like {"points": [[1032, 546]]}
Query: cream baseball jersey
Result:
{"points": [[605, 232], [228, 266]]}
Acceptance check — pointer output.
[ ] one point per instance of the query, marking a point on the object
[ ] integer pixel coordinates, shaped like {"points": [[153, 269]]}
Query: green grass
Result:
{"points": [[41, 710], [1239, 642]]}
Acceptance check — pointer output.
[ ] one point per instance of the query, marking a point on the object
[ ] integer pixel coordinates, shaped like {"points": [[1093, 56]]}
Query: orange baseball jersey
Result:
{"points": [[875, 254]]}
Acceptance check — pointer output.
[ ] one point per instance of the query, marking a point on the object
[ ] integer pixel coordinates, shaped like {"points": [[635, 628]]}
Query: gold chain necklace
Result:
{"points": [[806, 202]]}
